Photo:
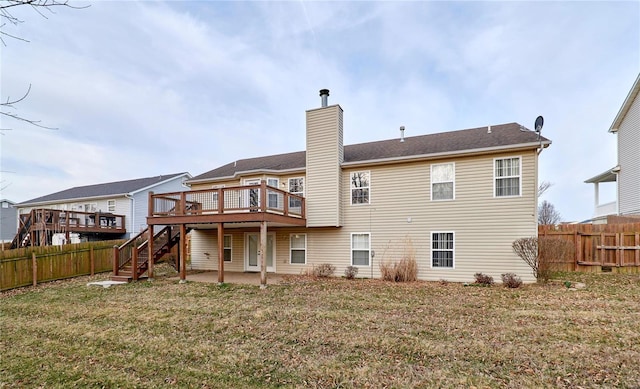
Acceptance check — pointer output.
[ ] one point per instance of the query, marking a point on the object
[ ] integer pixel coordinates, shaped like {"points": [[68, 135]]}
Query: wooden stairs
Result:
{"points": [[133, 256]]}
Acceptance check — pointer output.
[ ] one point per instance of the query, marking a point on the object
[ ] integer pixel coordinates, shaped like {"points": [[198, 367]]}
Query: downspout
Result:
{"points": [[133, 213]]}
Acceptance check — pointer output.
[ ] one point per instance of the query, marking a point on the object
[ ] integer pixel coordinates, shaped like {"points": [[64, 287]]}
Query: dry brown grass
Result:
{"points": [[322, 333]]}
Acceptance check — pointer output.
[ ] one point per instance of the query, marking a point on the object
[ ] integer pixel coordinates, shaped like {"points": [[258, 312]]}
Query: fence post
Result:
{"points": [[116, 257], [91, 260], [602, 250], [34, 266]]}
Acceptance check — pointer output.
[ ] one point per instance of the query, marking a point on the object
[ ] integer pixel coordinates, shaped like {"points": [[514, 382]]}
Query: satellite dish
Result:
{"points": [[539, 123]]}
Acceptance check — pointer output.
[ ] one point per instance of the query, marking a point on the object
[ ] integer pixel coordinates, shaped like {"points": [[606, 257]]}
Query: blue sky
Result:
{"points": [[145, 88]]}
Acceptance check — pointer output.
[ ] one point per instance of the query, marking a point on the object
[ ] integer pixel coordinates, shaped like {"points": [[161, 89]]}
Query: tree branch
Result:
{"points": [[9, 104]]}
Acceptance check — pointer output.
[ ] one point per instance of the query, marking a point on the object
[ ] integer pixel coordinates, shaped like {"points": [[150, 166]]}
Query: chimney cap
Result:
{"points": [[324, 92]]}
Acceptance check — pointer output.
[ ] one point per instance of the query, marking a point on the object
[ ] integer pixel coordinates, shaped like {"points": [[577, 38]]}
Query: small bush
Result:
{"points": [[350, 272], [324, 270], [510, 280], [543, 254], [404, 270], [483, 279]]}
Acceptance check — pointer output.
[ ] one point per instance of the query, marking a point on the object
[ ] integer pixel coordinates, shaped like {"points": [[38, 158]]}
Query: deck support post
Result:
{"points": [[183, 253], [150, 251], [220, 253], [263, 254], [116, 259]]}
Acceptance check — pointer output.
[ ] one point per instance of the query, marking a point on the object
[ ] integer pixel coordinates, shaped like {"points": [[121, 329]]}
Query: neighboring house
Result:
{"points": [[626, 174], [453, 201], [127, 201], [8, 219]]}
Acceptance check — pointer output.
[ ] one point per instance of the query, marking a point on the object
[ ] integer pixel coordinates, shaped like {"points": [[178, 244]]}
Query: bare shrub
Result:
{"points": [[510, 280], [404, 270], [551, 253], [324, 270], [483, 279], [543, 254], [350, 272]]}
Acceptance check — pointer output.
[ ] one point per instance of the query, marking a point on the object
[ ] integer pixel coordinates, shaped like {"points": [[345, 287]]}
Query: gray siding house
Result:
{"points": [[626, 174], [129, 198], [8, 220]]}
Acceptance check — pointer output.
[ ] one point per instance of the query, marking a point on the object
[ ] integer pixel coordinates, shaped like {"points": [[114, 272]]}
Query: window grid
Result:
{"points": [[111, 205], [507, 177], [442, 246], [296, 186], [360, 186]]}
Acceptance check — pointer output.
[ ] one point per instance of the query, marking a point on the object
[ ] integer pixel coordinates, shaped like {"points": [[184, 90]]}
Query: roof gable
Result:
{"points": [[118, 188], [505, 136], [633, 93]]}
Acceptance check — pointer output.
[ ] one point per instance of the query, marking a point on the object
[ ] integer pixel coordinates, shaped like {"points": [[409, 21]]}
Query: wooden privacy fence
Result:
{"points": [[598, 247], [32, 265]]}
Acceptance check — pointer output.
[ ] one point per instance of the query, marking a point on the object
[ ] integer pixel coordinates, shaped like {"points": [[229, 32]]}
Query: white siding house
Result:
{"points": [[626, 174]]}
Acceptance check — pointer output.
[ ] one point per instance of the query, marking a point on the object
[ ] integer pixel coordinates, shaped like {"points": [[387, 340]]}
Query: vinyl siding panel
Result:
{"points": [[629, 161], [324, 156], [141, 203]]}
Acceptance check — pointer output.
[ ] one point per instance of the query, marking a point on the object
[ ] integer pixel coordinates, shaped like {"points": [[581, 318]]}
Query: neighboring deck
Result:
{"points": [[39, 225], [238, 204]]}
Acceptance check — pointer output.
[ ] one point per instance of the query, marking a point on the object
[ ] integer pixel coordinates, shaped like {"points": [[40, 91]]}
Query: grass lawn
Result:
{"points": [[322, 333]]}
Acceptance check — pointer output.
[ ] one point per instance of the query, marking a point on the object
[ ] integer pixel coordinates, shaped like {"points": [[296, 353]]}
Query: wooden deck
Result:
{"points": [[238, 204], [37, 227]]}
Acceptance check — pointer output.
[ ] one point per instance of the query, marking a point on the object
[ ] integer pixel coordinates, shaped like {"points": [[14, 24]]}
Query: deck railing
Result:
{"points": [[228, 200]]}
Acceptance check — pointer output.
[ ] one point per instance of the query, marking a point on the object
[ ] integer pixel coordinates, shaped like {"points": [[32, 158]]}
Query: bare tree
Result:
{"points": [[8, 15], [544, 185], [8, 109], [547, 214]]}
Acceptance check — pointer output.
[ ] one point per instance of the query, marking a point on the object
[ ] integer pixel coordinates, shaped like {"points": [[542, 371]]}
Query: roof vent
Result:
{"points": [[488, 129], [401, 133], [324, 95]]}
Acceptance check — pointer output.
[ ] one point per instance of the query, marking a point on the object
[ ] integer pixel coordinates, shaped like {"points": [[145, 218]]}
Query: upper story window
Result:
{"points": [[272, 195], [443, 181], [360, 186], [111, 205], [296, 186], [507, 177]]}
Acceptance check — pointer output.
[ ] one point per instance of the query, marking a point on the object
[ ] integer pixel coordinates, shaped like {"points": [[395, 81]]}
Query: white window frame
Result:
{"points": [[110, 207], [295, 193], [352, 249], [351, 188], [225, 248], [272, 182], [453, 181], [291, 249], [214, 195], [518, 176], [90, 207], [453, 249]]}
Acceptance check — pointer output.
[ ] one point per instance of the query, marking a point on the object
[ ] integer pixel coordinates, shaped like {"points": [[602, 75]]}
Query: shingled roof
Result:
{"points": [[454, 142], [107, 189]]}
